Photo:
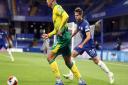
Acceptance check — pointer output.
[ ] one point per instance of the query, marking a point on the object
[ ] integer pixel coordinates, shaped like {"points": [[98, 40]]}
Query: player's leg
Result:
{"points": [[103, 66], [45, 50], [70, 74], [53, 64], [67, 57], [10, 54], [9, 51], [100, 63], [8, 46], [74, 54]]}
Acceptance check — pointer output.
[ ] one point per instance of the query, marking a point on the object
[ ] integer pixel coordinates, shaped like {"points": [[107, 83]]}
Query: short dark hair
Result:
{"points": [[79, 10]]}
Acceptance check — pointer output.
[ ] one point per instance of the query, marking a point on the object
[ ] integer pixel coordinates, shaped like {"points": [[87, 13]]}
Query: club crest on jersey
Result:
{"points": [[81, 28]]}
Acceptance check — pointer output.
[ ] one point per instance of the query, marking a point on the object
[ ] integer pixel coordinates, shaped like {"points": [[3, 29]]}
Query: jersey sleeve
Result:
{"points": [[59, 10], [5, 34], [87, 27]]}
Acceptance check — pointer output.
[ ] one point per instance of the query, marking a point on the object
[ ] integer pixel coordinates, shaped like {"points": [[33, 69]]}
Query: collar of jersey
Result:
{"points": [[55, 5], [80, 22]]}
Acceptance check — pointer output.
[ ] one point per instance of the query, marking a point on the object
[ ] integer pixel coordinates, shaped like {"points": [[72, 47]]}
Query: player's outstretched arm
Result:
{"points": [[46, 36], [52, 33]]}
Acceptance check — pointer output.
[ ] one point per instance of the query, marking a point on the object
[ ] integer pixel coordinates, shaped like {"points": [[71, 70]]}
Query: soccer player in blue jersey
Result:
{"points": [[87, 44], [4, 43]]}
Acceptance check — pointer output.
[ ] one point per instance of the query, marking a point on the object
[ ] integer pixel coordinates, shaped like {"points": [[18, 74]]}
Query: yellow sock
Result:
{"points": [[75, 71], [55, 69]]}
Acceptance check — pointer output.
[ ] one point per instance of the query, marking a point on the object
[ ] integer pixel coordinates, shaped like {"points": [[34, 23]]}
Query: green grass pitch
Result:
{"points": [[33, 69]]}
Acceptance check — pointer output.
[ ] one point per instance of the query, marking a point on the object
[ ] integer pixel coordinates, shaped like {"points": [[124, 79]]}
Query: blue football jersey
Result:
{"points": [[84, 27], [3, 37]]}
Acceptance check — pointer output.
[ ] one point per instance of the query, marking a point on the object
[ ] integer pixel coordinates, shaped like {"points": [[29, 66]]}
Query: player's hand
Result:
{"points": [[45, 36], [59, 33], [80, 46]]}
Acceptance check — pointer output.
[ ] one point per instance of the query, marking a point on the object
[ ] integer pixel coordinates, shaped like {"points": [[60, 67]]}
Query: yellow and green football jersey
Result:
{"points": [[63, 42]]}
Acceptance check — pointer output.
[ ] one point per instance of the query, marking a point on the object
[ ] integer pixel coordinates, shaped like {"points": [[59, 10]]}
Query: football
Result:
{"points": [[12, 80]]}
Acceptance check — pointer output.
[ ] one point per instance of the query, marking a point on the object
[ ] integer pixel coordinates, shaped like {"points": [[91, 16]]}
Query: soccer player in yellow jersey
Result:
{"points": [[60, 18]]}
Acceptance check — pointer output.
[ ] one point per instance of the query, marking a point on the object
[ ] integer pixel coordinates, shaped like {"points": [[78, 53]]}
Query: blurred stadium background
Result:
{"points": [[25, 20]]}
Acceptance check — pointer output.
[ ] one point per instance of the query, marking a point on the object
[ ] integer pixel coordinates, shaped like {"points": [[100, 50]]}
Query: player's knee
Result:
{"points": [[50, 57], [96, 61], [50, 60], [73, 55]]}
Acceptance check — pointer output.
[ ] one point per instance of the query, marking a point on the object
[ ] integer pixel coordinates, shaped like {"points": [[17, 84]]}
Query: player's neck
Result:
{"points": [[54, 4], [80, 20]]}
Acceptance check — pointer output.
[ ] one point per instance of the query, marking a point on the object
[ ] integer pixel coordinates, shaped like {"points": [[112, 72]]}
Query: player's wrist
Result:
{"points": [[48, 35], [82, 44], [59, 33]]}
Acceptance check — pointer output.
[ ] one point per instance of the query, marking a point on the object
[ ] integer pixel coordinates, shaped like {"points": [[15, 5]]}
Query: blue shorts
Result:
{"points": [[91, 51]]}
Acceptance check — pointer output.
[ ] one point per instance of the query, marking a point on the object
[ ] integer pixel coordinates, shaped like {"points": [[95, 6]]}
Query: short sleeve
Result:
{"points": [[87, 27], [59, 10], [5, 33]]}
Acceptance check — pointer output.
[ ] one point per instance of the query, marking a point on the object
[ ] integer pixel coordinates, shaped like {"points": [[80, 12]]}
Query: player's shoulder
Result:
{"points": [[85, 22], [58, 7]]}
